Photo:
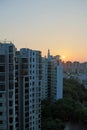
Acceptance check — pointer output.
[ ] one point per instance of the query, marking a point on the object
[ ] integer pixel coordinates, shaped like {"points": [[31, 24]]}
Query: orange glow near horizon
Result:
{"points": [[60, 26], [66, 56]]}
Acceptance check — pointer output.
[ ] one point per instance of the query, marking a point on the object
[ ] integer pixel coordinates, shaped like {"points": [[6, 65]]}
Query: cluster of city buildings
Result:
{"points": [[76, 70], [26, 78]]}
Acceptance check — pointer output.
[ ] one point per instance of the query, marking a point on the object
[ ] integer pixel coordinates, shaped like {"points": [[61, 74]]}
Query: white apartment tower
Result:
{"points": [[52, 78], [7, 87], [30, 82], [55, 77]]}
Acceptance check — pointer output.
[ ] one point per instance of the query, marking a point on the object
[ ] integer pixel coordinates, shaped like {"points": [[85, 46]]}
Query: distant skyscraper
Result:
{"points": [[55, 77], [52, 78]]}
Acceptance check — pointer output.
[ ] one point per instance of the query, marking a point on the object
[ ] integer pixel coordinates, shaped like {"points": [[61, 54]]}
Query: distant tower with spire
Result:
{"points": [[49, 56], [48, 52], [55, 77]]}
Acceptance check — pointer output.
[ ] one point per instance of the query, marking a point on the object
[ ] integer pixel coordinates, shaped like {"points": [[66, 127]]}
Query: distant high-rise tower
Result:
{"points": [[55, 78], [52, 87]]}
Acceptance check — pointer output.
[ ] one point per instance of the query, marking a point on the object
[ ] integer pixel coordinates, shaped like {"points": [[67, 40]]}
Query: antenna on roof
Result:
{"points": [[48, 52]]}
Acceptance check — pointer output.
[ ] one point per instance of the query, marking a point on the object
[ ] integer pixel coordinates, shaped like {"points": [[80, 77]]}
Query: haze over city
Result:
{"points": [[58, 25]]}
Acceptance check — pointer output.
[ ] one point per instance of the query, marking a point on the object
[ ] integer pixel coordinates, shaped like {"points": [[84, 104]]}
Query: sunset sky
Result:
{"points": [[58, 25]]}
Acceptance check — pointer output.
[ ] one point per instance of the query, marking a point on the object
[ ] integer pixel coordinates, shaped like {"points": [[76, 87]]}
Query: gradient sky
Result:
{"points": [[58, 25]]}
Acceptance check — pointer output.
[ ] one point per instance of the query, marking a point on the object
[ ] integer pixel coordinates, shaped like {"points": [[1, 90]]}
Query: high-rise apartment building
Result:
{"points": [[25, 79], [52, 70], [20, 88], [7, 87], [55, 77], [30, 82]]}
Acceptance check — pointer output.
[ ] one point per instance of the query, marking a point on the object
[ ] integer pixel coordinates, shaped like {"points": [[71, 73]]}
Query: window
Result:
{"points": [[27, 114], [11, 85], [26, 91], [2, 78], [33, 83], [33, 106], [0, 104], [2, 58], [32, 94], [10, 94], [26, 102], [30, 77], [10, 111], [26, 78], [2, 87], [11, 58], [39, 126], [33, 59], [11, 127], [33, 89], [24, 60], [26, 125], [26, 108], [0, 94], [2, 68], [1, 113], [39, 83], [10, 119], [30, 65], [33, 53], [30, 59], [1, 122], [11, 77], [26, 84], [10, 103], [11, 67]]}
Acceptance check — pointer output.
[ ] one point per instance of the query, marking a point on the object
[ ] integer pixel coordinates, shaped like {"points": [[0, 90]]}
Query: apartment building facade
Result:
{"points": [[30, 82], [25, 79], [7, 87], [20, 88], [52, 78], [44, 91], [55, 77]]}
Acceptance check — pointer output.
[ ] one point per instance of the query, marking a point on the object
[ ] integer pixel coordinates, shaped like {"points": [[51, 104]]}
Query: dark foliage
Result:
{"points": [[72, 108]]}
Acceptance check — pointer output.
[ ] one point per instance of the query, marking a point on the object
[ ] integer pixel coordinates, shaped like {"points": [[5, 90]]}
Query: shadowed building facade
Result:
{"points": [[20, 88], [7, 87]]}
